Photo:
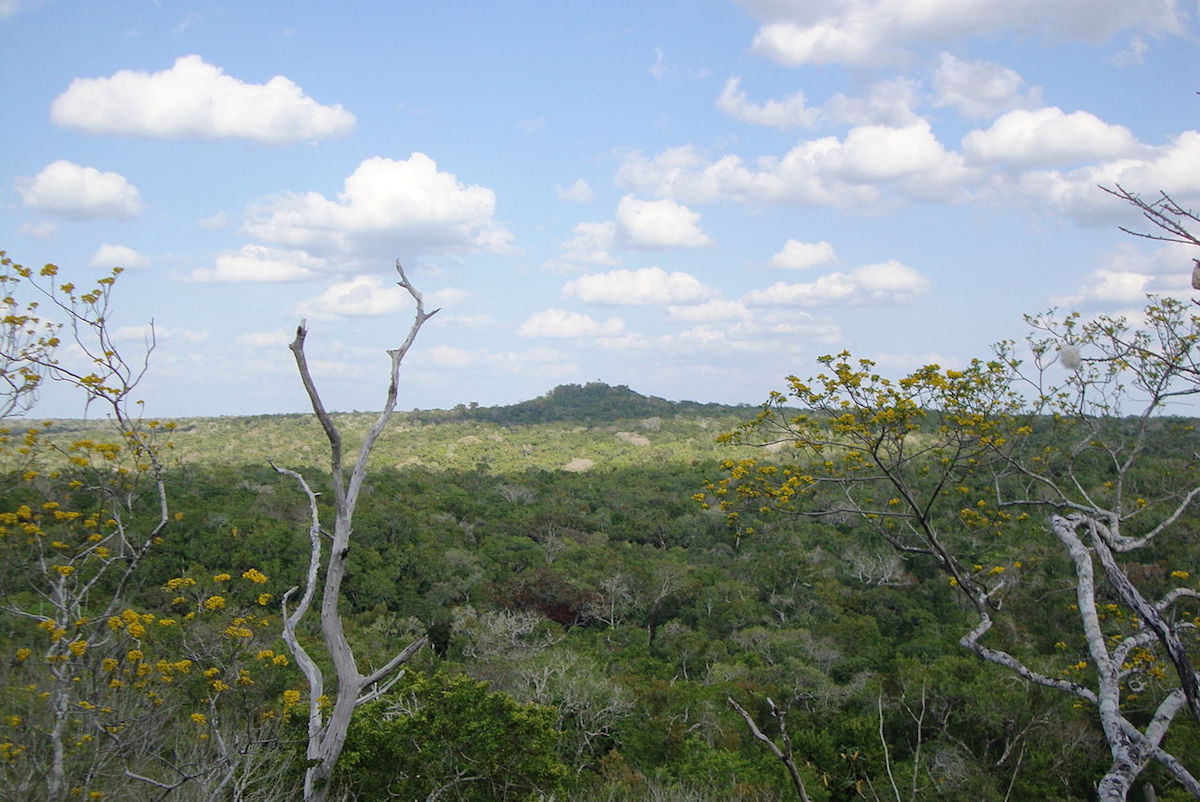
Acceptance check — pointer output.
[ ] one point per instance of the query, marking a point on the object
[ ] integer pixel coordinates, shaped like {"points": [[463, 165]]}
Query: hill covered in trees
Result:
{"points": [[594, 402]]}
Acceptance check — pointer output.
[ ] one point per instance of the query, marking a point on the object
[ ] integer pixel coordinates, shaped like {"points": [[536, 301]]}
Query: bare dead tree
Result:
{"points": [[327, 733], [1171, 222], [784, 755]]}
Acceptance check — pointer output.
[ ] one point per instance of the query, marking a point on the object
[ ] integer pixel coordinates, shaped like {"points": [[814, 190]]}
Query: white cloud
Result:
{"points": [[532, 126], [876, 31], [980, 89], [590, 243], [791, 112], [1135, 53], [1131, 273], [447, 356], [45, 230], [118, 256], [798, 255], [578, 192], [68, 190], [1048, 136], [262, 263], [9, 7], [361, 296], [214, 221], [562, 324], [882, 153], [540, 362], [196, 99], [725, 327], [822, 43], [825, 171], [889, 103], [769, 327], [1172, 165], [278, 338], [148, 333], [659, 67], [886, 283], [188, 21], [648, 286], [464, 322], [388, 206], [709, 312], [447, 296], [1117, 286], [906, 363], [652, 225]]}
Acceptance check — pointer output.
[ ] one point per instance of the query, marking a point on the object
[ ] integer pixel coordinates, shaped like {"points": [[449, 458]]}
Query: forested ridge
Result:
{"points": [[557, 550]]}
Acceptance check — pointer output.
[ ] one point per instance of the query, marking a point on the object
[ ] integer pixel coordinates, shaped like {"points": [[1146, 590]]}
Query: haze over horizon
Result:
{"points": [[694, 199]]}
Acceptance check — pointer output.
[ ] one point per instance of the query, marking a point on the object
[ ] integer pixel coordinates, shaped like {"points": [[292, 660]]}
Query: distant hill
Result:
{"points": [[594, 402]]}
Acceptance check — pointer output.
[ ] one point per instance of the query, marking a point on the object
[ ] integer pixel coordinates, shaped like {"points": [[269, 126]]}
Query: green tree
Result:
{"points": [[448, 737]]}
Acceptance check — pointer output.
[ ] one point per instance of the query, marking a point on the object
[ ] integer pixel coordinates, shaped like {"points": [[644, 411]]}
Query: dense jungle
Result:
{"points": [[595, 631]]}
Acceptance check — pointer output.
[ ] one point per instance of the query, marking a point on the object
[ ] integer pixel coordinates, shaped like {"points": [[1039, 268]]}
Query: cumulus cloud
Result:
{"points": [[853, 171], [1131, 273], [361, 296], [196, 99], [875, 31], [278, 338], [562, 324], [43, 230], [790, 112], [797, 255], [725, 327], [68, 190], [886, 283], [1074, 191], [889, 102], [1116, 286], [148, 332], [1048, 136], [447, 296], [709, 312], [464, 322], [591, 243], [578, 192], [447, 356], [214, 221], [648, 286], [386, 205], [652, 225], [118, 256], [263, 263], [980, 89]]}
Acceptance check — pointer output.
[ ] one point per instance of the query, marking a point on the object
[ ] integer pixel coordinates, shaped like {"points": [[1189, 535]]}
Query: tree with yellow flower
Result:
{"points": [[947, 467], [97, 690], [81, 516]]}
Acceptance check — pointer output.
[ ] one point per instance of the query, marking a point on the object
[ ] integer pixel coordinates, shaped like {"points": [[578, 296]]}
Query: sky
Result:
{"points": [[695, 198]]}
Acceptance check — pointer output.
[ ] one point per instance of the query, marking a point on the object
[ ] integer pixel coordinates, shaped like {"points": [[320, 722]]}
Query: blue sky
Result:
{"points": [[692, 198]]}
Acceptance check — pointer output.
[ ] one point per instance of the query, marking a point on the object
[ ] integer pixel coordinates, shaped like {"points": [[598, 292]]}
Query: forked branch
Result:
{"points": [[327, 736]]}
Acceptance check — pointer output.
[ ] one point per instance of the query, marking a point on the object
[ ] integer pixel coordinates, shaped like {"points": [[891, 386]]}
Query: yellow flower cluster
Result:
{"points": [[254, 575]]}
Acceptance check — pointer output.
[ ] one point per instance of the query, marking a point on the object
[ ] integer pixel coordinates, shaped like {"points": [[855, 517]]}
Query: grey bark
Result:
{"points": [[327, 736]]}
